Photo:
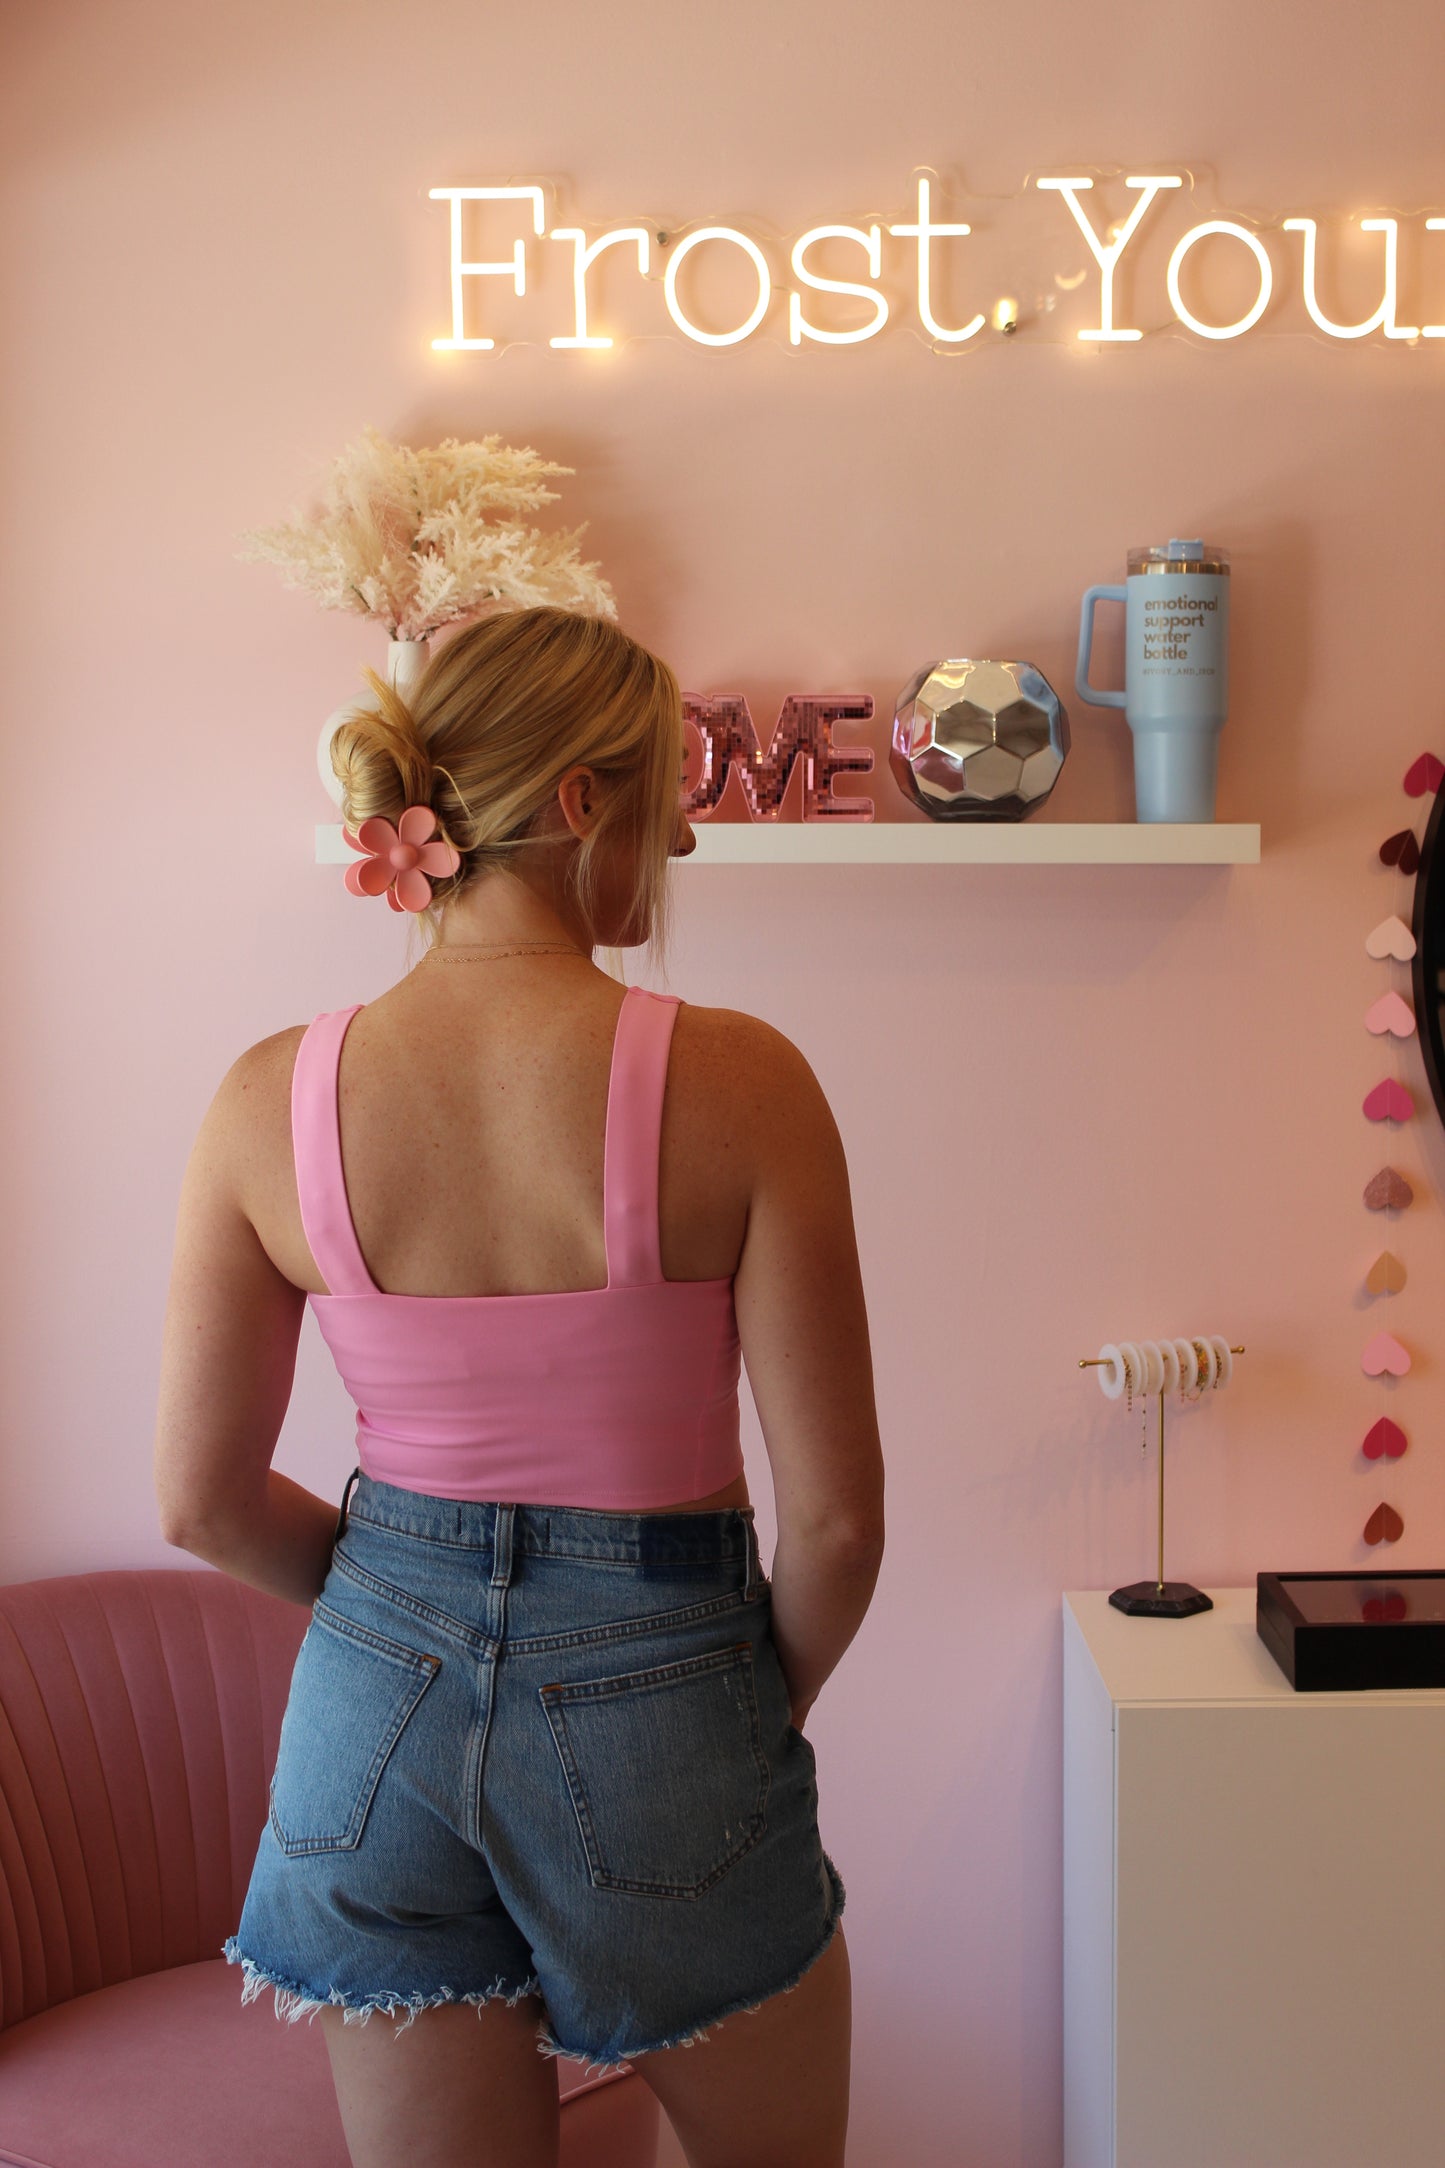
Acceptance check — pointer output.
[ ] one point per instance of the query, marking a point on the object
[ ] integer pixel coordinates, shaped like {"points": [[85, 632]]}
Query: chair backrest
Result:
{"points": [[140, 1718]]}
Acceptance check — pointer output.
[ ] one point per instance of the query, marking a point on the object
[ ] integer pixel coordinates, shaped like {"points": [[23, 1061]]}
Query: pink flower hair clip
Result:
{"points": [[398, 859]]}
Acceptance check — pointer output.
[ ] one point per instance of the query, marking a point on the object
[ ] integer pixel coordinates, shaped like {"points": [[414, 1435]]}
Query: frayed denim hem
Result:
{"points": [[548, 2043], [294, 2001]]}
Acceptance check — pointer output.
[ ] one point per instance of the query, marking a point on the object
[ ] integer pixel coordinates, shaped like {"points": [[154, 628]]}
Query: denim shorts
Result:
{"points": [[539, 1750]]}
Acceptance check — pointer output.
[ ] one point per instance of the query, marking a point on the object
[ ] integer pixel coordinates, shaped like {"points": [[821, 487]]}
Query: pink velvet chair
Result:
{"points": [[140, 1715]]}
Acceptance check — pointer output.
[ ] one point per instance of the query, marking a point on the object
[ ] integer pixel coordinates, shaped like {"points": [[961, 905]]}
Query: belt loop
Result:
{"points": [[351, 1481], [502, 1546]]}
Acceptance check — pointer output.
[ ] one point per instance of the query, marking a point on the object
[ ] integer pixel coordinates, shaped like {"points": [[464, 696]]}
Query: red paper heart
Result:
{"points": [[1401, 850], [1384, 1526], [1426, 773], [1384, 1609], [1384, 1437], [1389, 1101]]}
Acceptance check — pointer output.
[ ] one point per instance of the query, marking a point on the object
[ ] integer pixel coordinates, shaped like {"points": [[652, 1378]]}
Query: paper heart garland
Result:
{"points": [[1386, 1275], [1388, 1189], [1384, 1437], [1426, 773], [1390, 1013], [1384, 1352], [1389, 1101], [1392, 937], [1401, 850], [1384, 1526]]}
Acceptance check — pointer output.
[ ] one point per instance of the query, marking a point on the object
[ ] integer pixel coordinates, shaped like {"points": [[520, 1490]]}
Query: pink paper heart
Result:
{"points": [[1390, 1013], [1392, 937], [1426, 773], [1384, 1352], [1389, 1101]]}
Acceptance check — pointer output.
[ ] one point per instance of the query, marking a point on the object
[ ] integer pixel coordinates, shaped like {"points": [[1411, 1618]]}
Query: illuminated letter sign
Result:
{"points": [[1385, 313], [765, 285], [1107, 258], [582, 263], [516, 270], [925, 230], [1266, 280], [524, 205], [798, 329]]}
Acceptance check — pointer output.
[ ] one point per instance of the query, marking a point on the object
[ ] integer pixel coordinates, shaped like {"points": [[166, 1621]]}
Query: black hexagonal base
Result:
{"points": [[1146, 1599]]}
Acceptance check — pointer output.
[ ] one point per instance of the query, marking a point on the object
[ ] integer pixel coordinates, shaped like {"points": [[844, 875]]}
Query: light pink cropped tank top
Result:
{"points": [[615, 1397]]}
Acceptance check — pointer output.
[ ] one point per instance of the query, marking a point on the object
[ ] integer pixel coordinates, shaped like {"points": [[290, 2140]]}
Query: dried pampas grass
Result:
{"points": [[417, 539]]}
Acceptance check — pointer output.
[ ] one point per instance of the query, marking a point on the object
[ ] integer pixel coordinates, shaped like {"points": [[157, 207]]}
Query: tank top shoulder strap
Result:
{"points": [[634, 1133], [316, 1144]]}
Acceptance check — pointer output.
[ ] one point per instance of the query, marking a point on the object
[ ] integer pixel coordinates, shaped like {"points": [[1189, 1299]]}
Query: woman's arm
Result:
{"points": [[283, 1544], [228, 1360], [821, 1592], [804, 1330]]}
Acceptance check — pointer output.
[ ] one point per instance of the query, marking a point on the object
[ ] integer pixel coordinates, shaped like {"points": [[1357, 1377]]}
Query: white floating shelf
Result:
{"points": [[953, 843]]}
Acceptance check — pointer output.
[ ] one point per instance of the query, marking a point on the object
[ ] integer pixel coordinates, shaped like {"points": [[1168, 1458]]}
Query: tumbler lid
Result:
{"points": [[1175, 556]]}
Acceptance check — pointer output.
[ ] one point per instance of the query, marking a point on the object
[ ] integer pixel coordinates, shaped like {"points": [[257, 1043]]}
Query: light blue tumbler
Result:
{"points": [[1176, 674]]}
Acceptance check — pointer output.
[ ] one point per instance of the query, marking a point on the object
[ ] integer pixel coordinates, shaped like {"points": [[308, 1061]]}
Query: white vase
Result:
{"points": [[405, 661]]}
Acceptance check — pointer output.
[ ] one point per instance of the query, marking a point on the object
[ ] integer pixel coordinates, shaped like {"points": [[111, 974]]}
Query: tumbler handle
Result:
{"points": [[1097, 695]]}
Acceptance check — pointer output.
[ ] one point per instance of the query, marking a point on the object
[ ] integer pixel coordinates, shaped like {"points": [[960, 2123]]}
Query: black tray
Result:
{"points": [[1341, 1631]]}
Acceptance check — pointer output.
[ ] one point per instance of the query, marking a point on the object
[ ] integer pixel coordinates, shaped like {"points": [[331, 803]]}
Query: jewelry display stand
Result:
{"points": [[1159, 1370]]}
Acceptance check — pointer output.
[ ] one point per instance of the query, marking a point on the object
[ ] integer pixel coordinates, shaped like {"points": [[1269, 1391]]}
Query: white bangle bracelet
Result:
{"points": [[1111, 1372]]}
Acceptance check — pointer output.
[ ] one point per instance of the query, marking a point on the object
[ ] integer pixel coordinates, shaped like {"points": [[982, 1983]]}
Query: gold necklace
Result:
{"points": [[489, 952]]}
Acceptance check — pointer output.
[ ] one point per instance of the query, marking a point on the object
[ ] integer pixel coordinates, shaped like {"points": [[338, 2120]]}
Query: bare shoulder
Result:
{"points": [[744, 1069], [254, 1095], [743, 1053], [265, 1064]]}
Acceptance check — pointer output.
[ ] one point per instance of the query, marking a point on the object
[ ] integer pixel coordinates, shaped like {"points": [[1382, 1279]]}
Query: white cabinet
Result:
{"points": [[1254, 1904]]}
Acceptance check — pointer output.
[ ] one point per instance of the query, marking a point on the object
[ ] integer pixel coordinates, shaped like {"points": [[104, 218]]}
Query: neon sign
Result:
{"points": [[822, 306]]}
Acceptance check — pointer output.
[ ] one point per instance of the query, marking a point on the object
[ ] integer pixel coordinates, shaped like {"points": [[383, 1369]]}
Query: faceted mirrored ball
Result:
{"points": [[976, 740]]}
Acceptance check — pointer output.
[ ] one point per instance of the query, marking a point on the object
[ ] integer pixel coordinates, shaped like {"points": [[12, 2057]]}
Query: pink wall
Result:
{"points": [[1077, 1102]]}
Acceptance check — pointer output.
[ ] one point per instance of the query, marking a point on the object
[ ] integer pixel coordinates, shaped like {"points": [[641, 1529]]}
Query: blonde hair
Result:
{"points": [[497, 717]]}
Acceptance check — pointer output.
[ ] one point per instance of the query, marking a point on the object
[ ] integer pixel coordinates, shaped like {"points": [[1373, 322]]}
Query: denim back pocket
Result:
{"points": [[352, 1692], [666, 1771]]}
